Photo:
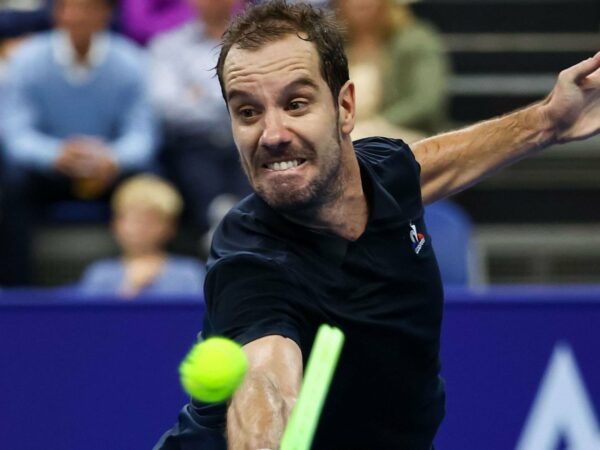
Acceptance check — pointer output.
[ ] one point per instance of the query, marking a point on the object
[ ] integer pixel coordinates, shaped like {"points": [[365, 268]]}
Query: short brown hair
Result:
{"points": [[273, 19]]}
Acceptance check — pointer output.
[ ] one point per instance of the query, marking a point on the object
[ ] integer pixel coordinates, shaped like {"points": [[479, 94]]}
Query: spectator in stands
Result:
{"points": [[77, 116], [77, 101], [391, 51], [199, 153], [142, 19], [145, 213]]}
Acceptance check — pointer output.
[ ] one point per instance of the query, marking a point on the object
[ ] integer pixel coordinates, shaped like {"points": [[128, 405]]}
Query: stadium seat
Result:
{"points": [[451, 233], [69, 212]]}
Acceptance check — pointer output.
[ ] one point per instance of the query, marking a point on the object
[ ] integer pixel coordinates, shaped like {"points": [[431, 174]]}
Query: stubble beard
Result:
{"points": [[323, 190]]}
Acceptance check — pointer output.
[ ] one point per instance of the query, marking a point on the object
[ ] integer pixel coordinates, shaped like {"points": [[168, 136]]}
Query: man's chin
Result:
{"points": [[291, 202]]}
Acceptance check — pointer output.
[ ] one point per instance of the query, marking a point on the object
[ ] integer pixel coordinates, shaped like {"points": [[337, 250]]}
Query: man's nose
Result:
{"points": [[275, 133]]}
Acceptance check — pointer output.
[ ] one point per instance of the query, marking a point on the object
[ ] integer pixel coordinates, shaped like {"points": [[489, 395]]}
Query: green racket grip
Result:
{"points": [[302, 424]]}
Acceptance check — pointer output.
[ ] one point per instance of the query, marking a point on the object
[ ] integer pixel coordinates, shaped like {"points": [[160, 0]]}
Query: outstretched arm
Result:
{"points": [[260, 408], [453, 161]]}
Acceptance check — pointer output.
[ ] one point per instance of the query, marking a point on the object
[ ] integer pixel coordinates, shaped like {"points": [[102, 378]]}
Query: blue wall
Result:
{"points": [[103, 375]]}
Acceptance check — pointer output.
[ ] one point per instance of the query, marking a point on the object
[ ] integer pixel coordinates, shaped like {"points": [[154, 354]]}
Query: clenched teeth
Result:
{"points": [[283, 165]]}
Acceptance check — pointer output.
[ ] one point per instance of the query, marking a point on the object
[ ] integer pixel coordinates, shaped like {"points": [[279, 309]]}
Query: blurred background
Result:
{"points": [[537, 221], [442, 64]]}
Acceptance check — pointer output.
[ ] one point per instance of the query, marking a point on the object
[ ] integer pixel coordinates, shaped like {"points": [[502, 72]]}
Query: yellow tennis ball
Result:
{"points": [[213, 369]]}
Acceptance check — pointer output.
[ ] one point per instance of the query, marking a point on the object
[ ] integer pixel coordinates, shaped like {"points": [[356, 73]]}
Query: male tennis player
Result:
{"points": [[335, 234]]}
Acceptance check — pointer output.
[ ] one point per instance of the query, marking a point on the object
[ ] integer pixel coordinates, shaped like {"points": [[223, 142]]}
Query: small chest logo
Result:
{"points": [[417, 239]]}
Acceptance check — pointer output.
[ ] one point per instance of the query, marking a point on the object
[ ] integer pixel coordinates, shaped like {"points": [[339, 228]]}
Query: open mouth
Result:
{"points": [[280, 166]]}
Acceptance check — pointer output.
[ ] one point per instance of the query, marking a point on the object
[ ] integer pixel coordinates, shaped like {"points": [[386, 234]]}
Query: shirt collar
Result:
{"points": [[331, 246], [383, 210], [64, 54], [198, 30], [382, 204]]}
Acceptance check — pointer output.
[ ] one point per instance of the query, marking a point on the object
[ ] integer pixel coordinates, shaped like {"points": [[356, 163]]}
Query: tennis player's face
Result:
{"points": [[285, 124]]}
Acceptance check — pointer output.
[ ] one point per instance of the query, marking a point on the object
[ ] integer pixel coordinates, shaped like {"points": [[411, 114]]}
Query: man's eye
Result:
{"points": [[295, 105], [247, 113]]}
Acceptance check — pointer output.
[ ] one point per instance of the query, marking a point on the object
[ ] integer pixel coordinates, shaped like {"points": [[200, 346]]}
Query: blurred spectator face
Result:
{"points": [[140, 229], [82, 18], [362, 14], [214, 10]]}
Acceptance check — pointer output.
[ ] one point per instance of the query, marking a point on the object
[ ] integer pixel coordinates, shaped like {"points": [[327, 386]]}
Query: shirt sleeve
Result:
{"points": [[25, 143], [249, 297]]}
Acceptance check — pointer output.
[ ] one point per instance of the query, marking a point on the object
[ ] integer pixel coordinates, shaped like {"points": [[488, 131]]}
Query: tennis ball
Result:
{"points": [[213, 369]]}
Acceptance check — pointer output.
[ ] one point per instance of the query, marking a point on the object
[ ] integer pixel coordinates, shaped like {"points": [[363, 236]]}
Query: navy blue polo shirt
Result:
{"points": [[268, 275]]}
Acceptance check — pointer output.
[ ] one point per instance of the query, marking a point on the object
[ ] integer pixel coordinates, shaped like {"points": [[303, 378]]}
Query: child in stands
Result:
{"points": [[145, 213]]}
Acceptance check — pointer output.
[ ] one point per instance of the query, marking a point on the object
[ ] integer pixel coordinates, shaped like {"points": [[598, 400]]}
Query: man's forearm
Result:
{"points": [[453, 161], [257, 415]]}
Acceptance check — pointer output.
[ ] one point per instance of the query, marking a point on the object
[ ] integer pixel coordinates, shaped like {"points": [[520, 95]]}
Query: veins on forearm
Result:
{"points": [[257, 415], [456, 160]]}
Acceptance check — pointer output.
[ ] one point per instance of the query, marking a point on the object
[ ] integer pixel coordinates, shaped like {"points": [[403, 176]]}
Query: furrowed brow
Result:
{"points": [[236, 94], [244, 96], [300, 83]]}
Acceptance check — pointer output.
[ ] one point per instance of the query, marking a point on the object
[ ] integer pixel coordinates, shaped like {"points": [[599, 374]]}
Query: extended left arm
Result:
{"points": [[453, 161]]}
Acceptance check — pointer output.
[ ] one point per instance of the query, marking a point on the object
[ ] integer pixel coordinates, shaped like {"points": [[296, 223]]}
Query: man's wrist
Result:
{"points": [[540, 122]]}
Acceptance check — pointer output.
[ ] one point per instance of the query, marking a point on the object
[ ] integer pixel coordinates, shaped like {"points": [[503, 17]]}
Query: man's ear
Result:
{"points": [[346, 107]]}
